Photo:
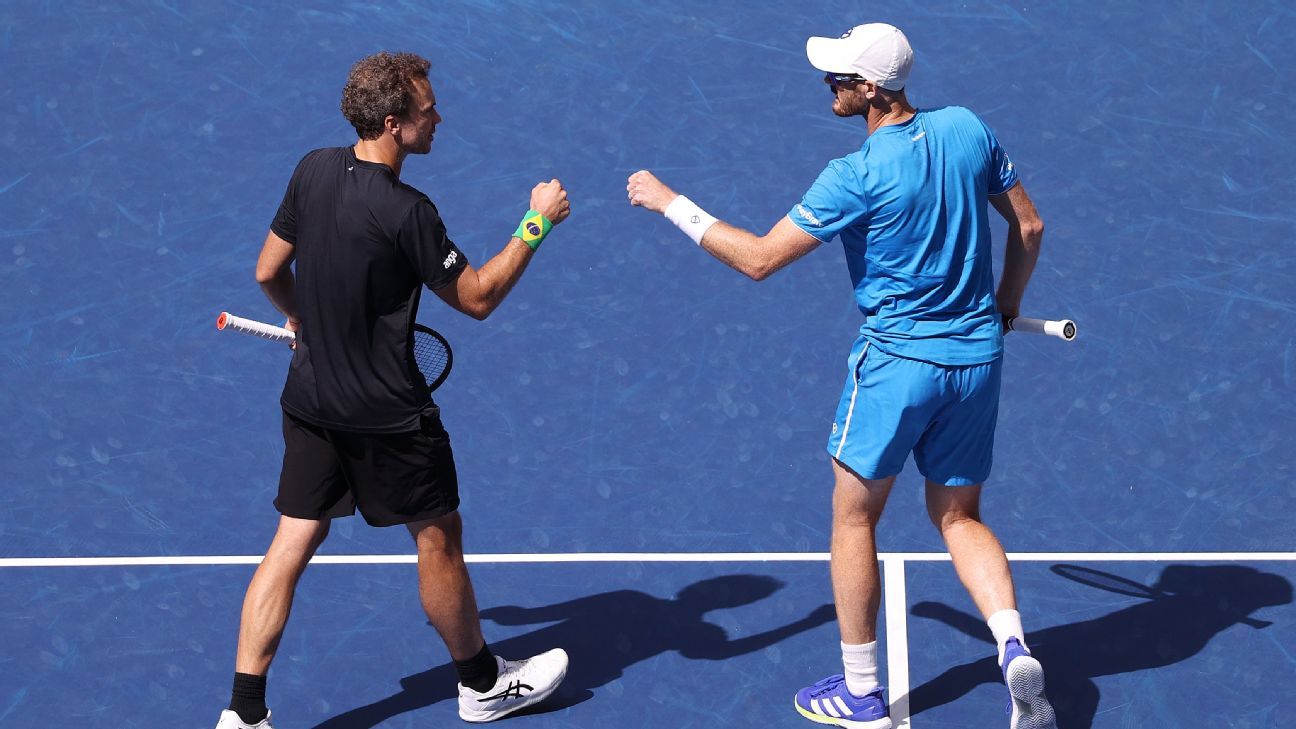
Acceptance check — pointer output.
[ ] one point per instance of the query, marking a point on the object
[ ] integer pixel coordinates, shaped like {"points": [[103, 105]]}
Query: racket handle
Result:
{"points": [[1060, 328], [228, 321]]}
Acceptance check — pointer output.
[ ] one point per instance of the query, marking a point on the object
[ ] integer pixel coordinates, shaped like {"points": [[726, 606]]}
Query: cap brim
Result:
{"points": [[829, 54]]}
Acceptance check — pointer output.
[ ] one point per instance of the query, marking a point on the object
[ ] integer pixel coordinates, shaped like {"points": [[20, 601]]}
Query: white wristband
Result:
{"points": [[690, 218]]}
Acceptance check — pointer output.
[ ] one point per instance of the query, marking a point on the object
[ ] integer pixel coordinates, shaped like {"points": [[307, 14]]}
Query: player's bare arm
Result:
{"points": [[755, 256], [479, 291], [274, 273], [1025, 233]]}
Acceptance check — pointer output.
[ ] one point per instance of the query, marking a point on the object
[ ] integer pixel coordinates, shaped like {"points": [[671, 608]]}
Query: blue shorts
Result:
{"points": [[944, 414]]}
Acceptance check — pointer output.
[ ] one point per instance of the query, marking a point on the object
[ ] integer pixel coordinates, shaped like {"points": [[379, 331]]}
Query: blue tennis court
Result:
{"points": [[640, 430]]}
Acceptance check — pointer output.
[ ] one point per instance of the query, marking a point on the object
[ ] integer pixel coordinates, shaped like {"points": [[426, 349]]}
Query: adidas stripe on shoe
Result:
{"points": [[829, 702]]}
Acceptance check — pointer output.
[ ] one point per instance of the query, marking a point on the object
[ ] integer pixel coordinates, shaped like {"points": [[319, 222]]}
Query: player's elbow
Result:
{"points": [[479, 307], [477, 310], [266, 274], [1032, 232], [762, 267]]}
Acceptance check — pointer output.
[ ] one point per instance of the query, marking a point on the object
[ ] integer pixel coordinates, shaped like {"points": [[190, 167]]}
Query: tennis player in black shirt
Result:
{"points": [[360, 429]]}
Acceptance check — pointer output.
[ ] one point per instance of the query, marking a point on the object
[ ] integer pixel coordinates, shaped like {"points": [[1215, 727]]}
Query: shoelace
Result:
{"points": [[826, 686]]}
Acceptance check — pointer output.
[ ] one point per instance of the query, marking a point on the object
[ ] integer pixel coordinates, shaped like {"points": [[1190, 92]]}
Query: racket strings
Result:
{"points": [[430, 355]]}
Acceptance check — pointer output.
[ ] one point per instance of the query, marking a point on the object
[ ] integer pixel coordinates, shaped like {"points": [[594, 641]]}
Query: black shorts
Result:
{"points": [[394, 478]]}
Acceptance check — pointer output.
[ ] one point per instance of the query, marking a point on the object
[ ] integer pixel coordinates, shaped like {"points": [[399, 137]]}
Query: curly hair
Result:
{"points": [[380, 85]]}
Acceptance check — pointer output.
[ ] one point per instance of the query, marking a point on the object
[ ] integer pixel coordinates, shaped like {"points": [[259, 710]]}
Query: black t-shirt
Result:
{"points": [[365, 244]]}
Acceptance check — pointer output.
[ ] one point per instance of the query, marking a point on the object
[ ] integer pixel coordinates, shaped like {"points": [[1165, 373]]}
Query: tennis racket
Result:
{"points": [[432, 353], [1064, 329]]}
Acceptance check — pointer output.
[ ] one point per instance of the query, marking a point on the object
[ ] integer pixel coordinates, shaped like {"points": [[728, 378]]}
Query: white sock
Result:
{"points": [[860, 662], [1006, 624]]}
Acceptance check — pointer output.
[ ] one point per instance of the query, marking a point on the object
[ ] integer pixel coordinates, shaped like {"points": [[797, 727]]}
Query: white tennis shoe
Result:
{"points": [[230, 720], [520, 684]]}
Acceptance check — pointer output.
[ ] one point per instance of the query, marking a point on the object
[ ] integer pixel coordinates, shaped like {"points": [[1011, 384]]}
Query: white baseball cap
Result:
{"points": [[876, 51]]}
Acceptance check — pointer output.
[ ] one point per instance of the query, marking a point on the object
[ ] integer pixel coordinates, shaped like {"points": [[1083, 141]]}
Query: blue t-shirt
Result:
{"points": [[911, 210]]}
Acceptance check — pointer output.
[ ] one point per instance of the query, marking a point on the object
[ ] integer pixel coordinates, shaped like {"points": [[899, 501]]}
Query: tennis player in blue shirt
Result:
{"points": [[910, 208]]}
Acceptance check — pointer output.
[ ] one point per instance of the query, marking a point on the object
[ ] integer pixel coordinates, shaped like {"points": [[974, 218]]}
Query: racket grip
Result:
{"points": [[228, 321], [1060, 328]]}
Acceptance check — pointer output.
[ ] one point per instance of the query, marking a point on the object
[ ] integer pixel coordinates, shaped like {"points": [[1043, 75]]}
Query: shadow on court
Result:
{"points": [[604, 635], [1185, 609]]}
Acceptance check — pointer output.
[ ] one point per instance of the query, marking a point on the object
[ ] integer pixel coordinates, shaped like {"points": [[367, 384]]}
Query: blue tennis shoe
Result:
{"points": [[1025, 678], [829, 702]]}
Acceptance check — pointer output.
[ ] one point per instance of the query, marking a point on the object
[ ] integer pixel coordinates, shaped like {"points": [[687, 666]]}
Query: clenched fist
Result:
{"points": [[550, 200], [645, 190]]}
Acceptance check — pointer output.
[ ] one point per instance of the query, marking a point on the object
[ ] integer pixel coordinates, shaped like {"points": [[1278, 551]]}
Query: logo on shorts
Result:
{"points": [[834, 429], [450, 259]]}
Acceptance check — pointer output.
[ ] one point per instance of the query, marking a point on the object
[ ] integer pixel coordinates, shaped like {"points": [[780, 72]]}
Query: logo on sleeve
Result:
{"points": [[450, 259], [808, 216]]}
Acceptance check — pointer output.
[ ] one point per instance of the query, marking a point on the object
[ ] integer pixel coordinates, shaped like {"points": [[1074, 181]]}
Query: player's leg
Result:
{"points": [[490, 687], [880, 416], [883, 413], [979, 559], [982, 567], [269, 597], [857, 588], [410, 478], [955, 455], [266, 607], [445, 589], [312, 490], [855, 697]]}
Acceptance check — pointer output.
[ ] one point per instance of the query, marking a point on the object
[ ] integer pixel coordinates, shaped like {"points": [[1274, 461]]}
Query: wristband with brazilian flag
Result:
{"points": [[533, 229]]}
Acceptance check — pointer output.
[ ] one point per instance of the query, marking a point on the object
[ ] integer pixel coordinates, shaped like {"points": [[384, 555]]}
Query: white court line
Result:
{"points": [[897, 640], [579, 557]]}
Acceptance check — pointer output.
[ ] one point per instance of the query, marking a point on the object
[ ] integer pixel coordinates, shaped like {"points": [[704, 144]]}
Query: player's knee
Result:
{"points": [[952, 519], [297, 539], [949, 515], [440, 537], [439, 546], [949, 506], [320, 535], [855, 517]]}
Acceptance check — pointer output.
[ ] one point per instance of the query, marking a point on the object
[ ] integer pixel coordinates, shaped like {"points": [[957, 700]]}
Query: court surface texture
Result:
{"points": [[639, 430]]}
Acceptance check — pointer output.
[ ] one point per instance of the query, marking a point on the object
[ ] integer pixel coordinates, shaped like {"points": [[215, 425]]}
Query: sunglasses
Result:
{"points": [[842, 78]]}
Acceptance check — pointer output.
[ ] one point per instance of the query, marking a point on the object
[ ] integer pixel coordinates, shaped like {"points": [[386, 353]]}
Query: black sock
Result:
{"points": [[248, 698], [479, 672]]}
